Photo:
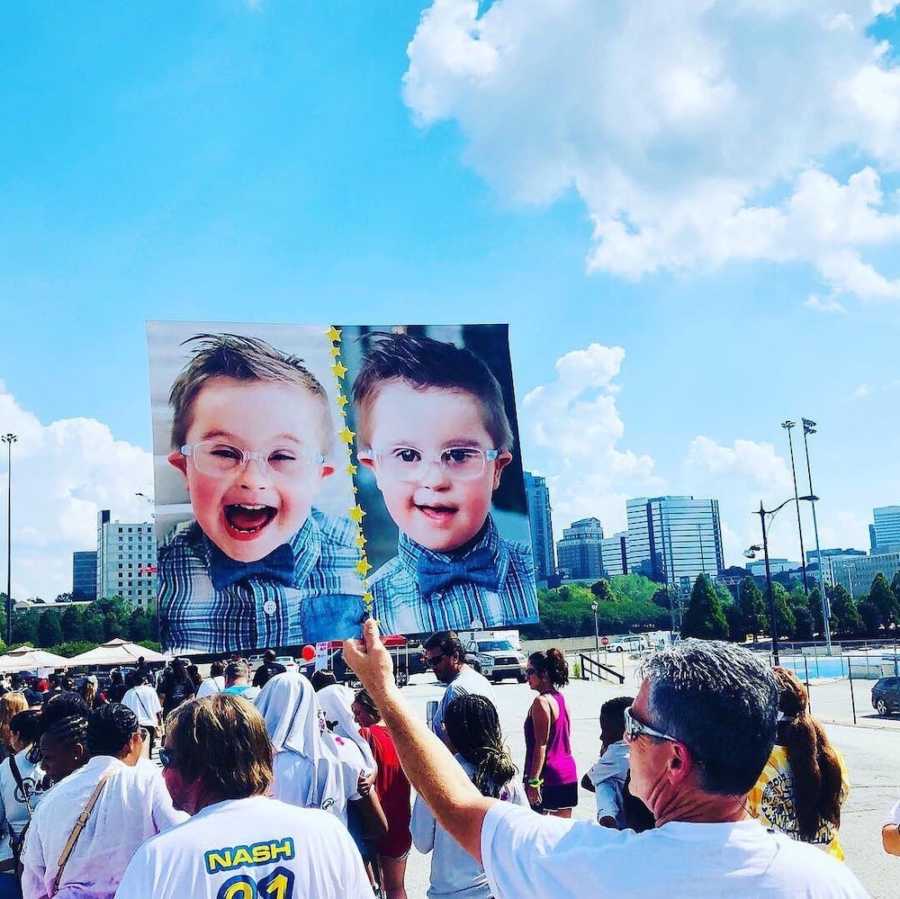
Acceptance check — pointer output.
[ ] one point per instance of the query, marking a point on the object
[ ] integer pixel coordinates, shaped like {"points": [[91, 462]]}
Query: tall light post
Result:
{"points": [[809, 427], [763, 512], [594, 608], [787, 425], [9, 439]]}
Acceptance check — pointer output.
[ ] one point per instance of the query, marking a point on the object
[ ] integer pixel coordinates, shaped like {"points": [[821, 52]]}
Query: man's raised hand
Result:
{"points": [[370, 660]]}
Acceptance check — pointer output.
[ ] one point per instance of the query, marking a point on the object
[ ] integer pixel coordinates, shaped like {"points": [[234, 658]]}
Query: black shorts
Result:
{"points": [[557, 796]]}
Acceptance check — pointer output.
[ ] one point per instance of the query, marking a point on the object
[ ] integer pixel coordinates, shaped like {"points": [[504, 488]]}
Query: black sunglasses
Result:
{"points": [[430, 663], [167, 758]]}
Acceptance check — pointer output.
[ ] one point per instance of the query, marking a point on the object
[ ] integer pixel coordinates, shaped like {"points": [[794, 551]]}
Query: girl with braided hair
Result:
{"points": [[472, 733], [804, 783]]}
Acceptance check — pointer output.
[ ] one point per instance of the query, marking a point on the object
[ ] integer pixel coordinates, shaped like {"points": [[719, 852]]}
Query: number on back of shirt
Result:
{"points": [[277, 885]]}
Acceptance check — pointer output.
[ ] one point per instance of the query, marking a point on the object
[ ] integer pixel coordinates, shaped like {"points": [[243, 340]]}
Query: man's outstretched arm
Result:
{"points": [[428, 764]]}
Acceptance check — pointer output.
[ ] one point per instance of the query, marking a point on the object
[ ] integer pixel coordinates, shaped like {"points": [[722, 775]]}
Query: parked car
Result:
{"points": [[289, 662], [886, 695]]}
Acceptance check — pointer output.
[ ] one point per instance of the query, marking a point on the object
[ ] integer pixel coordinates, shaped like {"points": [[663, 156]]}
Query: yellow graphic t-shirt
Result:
{"points": [[771, 801]]}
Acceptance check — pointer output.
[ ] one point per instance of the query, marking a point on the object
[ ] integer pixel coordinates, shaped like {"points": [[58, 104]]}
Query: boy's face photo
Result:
{"points": [[249, 507], [440, 507]]}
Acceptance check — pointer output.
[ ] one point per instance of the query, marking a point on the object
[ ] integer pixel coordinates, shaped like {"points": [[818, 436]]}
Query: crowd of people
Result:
{"points": [[714, 772]]}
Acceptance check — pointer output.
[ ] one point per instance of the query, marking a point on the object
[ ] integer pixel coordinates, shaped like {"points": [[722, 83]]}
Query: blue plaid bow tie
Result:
{"points": [[476, 568], [277, 566]]}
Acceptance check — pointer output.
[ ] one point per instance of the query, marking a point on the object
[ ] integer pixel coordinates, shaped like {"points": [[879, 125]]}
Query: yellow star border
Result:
{"points": [[357, 513]]}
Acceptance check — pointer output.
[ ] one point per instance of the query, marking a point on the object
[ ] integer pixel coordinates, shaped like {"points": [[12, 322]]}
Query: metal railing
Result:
{"points": [[591, 669]]}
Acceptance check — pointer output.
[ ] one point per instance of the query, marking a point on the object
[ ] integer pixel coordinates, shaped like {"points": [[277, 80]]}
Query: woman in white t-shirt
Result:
{"points": [[215, 683], [472, 732], [22, 784]]}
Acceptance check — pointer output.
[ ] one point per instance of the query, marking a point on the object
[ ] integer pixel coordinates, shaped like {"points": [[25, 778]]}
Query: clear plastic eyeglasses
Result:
{"points": [[406, 463], [217, 459]]}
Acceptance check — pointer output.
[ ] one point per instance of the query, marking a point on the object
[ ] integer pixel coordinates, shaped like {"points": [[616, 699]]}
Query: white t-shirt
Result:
{"points": [[467, 681], [608, 776], [133, 806], [13, 812], [526, 854], [144, 702], [280, 850], [211, 686]]}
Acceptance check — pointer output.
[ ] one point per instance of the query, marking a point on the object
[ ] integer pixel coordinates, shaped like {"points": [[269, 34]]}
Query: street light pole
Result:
{"points": [[9, 440], [594, 608], [773, 622], [809, 427], [787, 425]]}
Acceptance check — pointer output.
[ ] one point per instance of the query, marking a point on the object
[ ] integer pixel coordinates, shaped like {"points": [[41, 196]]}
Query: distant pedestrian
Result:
{"points": [[10, 706], [237, 681], [193, 673], [143, 700], [551, 779], [473, 734], [393, 792], [215, 683], [117, 688], [175, 686], [90, 694], [268, 669], [446, 656], [804, 783]]}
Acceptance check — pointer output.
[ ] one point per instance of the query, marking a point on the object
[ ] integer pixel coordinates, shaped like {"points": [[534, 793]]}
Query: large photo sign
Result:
{"points": [[309, 476]]}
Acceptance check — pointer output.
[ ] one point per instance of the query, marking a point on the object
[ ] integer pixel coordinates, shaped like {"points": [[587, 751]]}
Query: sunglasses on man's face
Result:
{"points": [[433, 660], [635, 729]]}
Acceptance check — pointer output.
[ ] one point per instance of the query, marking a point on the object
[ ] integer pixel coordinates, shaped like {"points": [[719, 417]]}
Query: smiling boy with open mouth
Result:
{"points": [[260, 567]]}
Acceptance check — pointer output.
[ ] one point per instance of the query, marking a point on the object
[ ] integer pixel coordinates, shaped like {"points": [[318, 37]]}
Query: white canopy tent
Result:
{"points": [[27, 658], [116, 652]]}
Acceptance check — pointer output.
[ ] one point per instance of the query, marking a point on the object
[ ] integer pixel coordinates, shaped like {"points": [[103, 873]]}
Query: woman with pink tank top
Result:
{"points": [[551, 780]]}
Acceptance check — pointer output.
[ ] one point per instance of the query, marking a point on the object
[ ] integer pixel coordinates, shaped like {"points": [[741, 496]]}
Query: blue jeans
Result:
{"points": [[9, 887]]}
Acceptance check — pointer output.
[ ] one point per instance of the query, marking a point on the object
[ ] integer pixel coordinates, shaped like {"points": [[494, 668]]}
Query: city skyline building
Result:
{"points": [[855, 575], [84, 574], [884, 533], [540, 518], [776, 566], [579, 553], [614, 554], [126, 560], [674, 539]]}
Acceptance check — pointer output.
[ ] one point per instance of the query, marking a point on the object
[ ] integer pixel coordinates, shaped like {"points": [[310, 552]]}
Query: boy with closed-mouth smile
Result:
{"points": [[260, 566], [433, 428]]}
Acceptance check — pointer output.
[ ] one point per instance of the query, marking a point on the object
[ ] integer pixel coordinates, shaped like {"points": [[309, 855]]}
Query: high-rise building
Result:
{"points": [[84, 574], [126, 560], [541, 521], [580, 552], [885, 530], [614, 553], [673, 539], [855, 575], [776, 566]]}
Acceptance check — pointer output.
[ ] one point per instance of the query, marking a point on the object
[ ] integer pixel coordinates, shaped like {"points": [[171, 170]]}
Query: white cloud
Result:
{"points": [[740, 476], [572, 424], [826, 304], [62, 474], [693, 131]]}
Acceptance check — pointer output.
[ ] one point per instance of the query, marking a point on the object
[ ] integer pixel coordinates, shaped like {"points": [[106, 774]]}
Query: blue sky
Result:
{"points": [[677, 186]]}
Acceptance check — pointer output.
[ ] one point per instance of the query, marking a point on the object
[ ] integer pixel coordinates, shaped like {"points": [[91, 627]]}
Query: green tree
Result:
{"points": [[895, 587], [72, 619], [704, 617], [784, 614], [602, 590], [25, 627], [737, 632], [881, 595], [815, 610], [92, 626], [803, 623], [871, 616], [49, 631], [752, 607], [138, 626], [844, 613]]}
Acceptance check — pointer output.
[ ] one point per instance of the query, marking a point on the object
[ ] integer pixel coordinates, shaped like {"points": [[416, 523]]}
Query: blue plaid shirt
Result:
{"points": [[400, 607], [325, 602]]}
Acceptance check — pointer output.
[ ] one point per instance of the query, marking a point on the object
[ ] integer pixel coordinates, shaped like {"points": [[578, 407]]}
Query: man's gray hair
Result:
{"points": [[721, 701]]}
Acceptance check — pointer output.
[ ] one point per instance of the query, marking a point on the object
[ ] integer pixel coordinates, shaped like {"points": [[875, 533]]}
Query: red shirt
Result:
{"points": [[393, 792]]}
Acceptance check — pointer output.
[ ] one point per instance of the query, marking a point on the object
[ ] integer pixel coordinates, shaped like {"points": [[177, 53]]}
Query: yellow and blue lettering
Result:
{"points": [[230, 857]]}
